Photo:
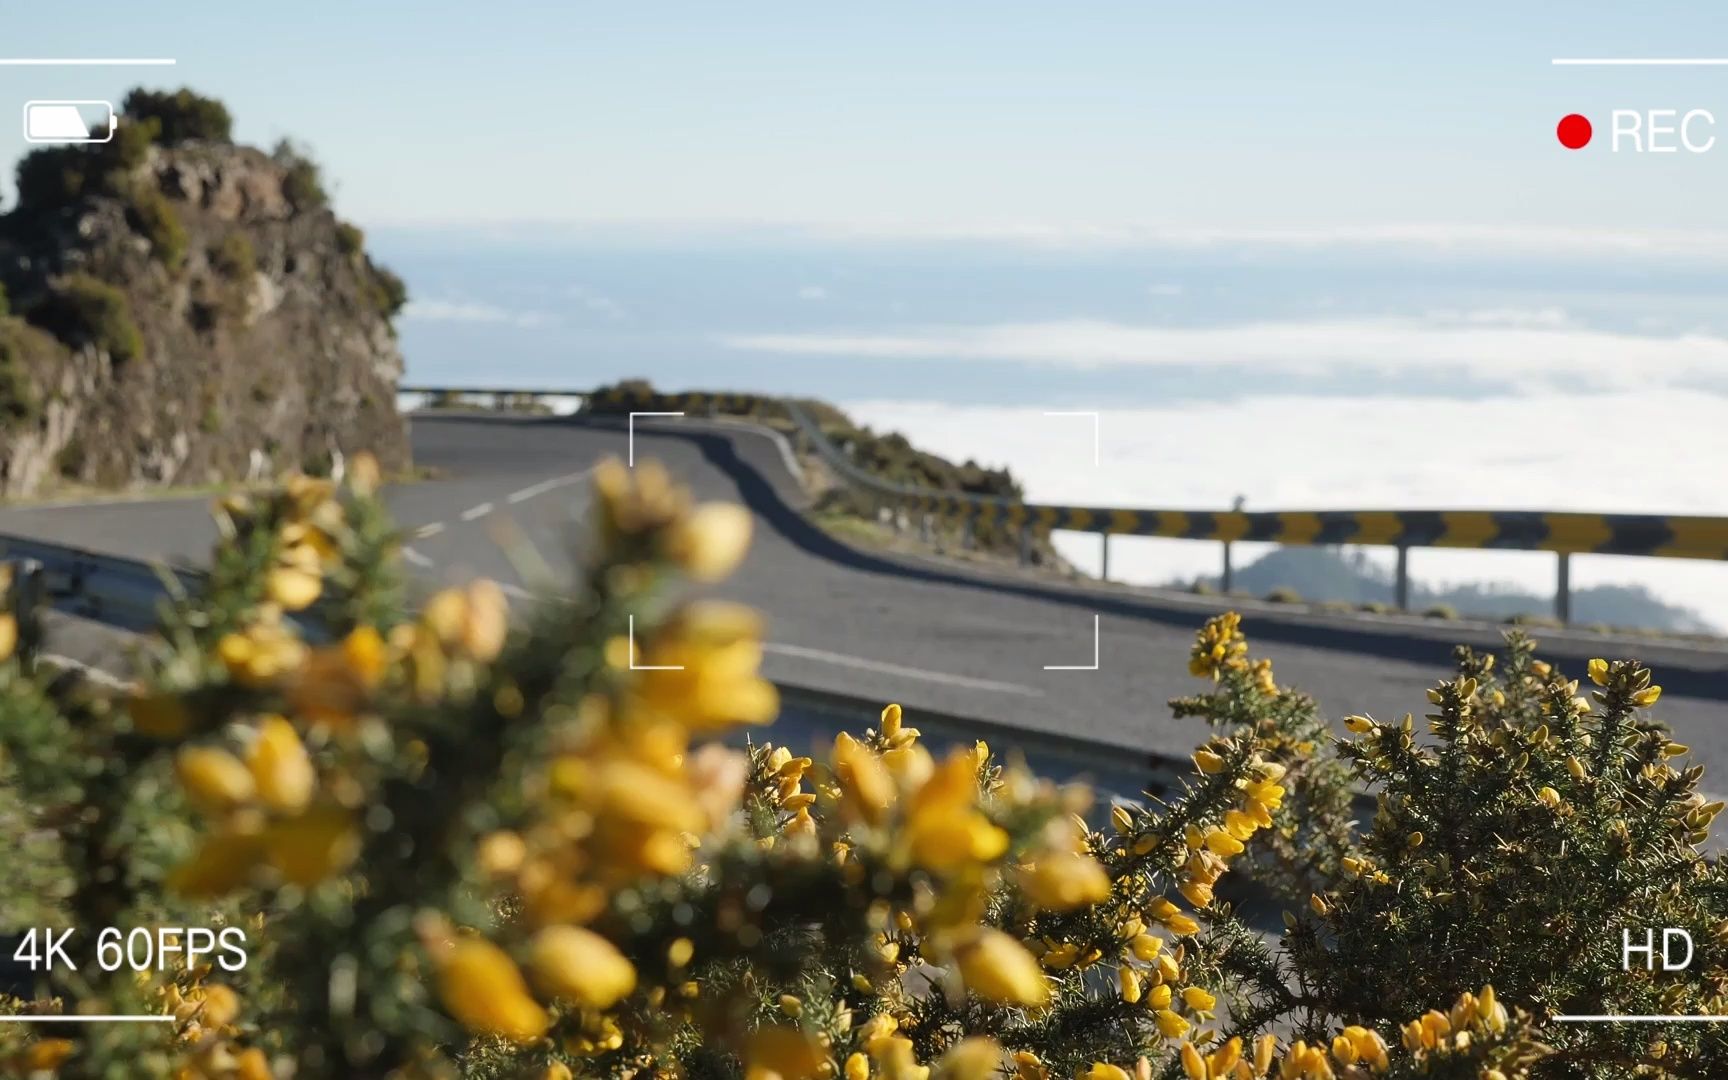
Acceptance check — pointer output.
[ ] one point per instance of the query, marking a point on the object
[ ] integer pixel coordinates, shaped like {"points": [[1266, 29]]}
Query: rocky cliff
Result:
{"points": [[184, 310]]}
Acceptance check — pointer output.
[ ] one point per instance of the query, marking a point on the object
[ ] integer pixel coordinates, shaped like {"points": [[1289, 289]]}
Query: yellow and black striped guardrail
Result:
{"points": [[1564, 533]]}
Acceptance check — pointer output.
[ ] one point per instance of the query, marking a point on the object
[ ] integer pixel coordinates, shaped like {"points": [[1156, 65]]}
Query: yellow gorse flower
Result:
{"points": [[483, 988], [581, 966]]}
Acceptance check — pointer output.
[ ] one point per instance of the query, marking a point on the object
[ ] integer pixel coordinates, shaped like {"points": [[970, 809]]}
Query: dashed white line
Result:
{"points": [[432, 529], [415, 557], [515, 590], [544, 486], [803, 652], [474, 512]]}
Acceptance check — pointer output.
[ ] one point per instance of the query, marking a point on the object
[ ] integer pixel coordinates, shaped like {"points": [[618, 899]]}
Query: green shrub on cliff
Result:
{"points": [[82, 310], [302, 183], [19, 401], [148, 211], [53, 176], [349, 238], [389, 292], [235, 258], [179, 116]]}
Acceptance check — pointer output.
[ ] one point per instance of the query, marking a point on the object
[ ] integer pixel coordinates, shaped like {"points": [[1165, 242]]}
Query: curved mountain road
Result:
{"points": [[968, 642]]}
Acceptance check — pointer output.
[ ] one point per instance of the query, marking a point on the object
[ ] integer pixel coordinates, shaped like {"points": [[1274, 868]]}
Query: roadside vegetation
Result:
{"points": [[891, 458], [464, 841]]}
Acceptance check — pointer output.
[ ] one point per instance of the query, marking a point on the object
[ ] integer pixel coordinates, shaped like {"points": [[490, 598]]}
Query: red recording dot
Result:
{"points": [[1574, 131]]}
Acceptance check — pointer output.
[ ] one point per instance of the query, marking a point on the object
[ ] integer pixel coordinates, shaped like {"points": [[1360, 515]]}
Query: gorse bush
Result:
{"points": [[458, 843]]}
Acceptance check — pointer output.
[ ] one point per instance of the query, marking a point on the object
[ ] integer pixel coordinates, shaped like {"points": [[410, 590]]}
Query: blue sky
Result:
{"points": [[925, 116]]}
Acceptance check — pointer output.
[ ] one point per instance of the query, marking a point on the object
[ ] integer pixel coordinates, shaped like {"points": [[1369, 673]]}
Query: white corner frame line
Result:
{"points": [[1093, 666], [90, 1018], [631, 425], [1095, 429], [1611, 1018], [1640, 61], [634, 666], [87, 61]]}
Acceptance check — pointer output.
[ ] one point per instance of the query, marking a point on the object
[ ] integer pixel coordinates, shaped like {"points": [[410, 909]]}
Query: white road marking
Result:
{"points": [[803, 652], [415, 557], [432, 529], [515, 590], [1093, 666], [474, 512], [89, 671], [544, 486]]}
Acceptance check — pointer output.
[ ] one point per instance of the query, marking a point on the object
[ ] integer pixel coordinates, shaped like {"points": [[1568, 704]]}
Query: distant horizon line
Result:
{"points": [[1654, 240]]}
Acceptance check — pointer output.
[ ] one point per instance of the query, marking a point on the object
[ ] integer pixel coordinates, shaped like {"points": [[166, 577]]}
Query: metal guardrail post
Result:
{"points": [[29, 593], [1104, 561], [968, 533], [1401, 586], [1228, 581], [1563, 589], [1026, 544]]}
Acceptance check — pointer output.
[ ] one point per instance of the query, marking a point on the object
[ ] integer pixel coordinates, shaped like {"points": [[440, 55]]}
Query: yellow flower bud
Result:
{"points": [[1599, 672], [1170, 1024], [1129, 980], [1208, 762], [482, 988], [711, 541], [280, 767], [786, 1052], [1145, 946], [293, 587], [252, 1064], [488, 622], [221, 1006], [998, 968], [215, 779], [309, 848], [581, 966], [975, 1058]]}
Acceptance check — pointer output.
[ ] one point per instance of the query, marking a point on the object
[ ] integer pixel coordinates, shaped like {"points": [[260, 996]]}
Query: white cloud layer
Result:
{"points": [[461, 311], [1540, 348], [1653, 451]]}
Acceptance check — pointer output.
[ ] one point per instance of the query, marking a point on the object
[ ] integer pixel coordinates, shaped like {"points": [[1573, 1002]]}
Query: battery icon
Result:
{"points": [[69, 121]]}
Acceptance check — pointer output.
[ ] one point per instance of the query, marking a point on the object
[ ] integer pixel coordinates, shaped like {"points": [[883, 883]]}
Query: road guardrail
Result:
{"points": [[1563, 533]]}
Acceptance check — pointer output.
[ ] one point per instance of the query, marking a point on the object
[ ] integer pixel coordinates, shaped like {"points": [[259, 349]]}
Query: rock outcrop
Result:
{"points": [[187, 311]]}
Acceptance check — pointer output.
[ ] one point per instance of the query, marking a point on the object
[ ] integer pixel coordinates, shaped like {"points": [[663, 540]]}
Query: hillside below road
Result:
{"points": [[967, 642]]}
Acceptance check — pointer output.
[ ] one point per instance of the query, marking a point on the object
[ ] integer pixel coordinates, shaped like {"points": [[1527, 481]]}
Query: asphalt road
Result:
{"points": [[970, 643]]}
